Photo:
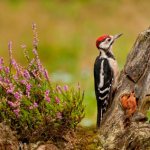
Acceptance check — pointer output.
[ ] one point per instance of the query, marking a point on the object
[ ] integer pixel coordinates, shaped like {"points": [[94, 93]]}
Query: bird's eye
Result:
{"points": [[109, 40]]}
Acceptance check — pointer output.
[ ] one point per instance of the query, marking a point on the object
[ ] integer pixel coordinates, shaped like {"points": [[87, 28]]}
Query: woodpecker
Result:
{"points": [[105, 74]]}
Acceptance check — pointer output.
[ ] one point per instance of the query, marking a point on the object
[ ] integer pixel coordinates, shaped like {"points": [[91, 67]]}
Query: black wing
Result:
{"points": [[103, 77]]}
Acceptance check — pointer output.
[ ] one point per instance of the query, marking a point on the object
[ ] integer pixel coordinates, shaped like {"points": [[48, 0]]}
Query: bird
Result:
{"points": [[105, 74]]}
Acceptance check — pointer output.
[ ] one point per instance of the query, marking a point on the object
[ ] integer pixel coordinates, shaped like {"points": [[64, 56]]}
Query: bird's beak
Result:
{"points": [[117, 36]]}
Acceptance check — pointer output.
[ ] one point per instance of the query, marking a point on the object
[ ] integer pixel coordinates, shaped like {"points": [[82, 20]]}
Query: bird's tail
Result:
{"points": [[102, 107], [99, 115]]}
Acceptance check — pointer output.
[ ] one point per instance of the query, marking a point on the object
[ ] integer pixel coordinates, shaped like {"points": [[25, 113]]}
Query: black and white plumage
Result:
{"points": [[105, 75]]}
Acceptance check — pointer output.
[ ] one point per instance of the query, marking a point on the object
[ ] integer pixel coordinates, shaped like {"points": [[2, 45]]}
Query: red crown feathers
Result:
{"points": [[100, 39]]}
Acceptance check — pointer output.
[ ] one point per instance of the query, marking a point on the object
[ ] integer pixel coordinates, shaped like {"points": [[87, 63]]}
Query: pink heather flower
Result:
{"points": [[31, 63], [66, 87], [57, 100], [28, 94], [7, 70], [23, 82], [35, 40], [16, 66], [10, 49], [14, 63], [15, 77], [16, 111], [59, 115], [35, 53], [40, 67], [28, 87], [24, 47], [17, 103], [11, 104], [47, 92], [11, 85], [6, 80], [1, 78], [11, 90], [1, 63], [17, 95], [31, 107], [34, 72], [35, 105], [46, 74], [26, 74], [47, 99]]}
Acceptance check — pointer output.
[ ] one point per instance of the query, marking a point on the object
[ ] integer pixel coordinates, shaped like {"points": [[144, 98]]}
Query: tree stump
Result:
{"points": [[122, 130]]}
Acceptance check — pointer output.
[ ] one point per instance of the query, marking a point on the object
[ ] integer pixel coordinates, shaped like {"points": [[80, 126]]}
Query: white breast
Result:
{"points": [[114, 66]]}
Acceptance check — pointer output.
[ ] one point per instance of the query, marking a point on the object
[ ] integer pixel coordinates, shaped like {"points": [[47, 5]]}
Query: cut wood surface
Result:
{"points": [[130, 131]]}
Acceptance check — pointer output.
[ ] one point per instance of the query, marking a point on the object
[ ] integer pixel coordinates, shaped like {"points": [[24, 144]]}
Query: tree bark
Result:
{"points": [[120, 131]]}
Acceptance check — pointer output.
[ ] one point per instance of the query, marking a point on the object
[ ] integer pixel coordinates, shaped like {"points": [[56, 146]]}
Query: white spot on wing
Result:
{"points": [[102, 91], [102, 98], [104, 108], [105, 102], [101, 74]]}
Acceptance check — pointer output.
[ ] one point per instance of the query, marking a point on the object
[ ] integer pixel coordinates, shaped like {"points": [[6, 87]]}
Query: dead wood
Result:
{"points": [[120, 131]]}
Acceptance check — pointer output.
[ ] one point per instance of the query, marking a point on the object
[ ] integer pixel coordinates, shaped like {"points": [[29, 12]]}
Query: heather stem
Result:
{"points": [[26, 54], [10, 55], [35, 36]]}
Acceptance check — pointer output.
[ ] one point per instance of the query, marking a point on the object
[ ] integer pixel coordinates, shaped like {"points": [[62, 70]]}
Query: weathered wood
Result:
{"points": [[119, 132]]}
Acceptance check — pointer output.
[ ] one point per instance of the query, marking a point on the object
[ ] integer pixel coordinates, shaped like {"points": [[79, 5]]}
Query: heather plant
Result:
{"points": [[31, 104]]}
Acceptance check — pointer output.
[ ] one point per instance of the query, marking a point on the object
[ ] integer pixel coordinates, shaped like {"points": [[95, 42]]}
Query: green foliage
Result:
{"points": [[148, 115], [31, 104]]}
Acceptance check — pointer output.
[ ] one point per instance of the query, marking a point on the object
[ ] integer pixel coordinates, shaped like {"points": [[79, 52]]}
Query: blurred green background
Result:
{"points": [[67, 32]]}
